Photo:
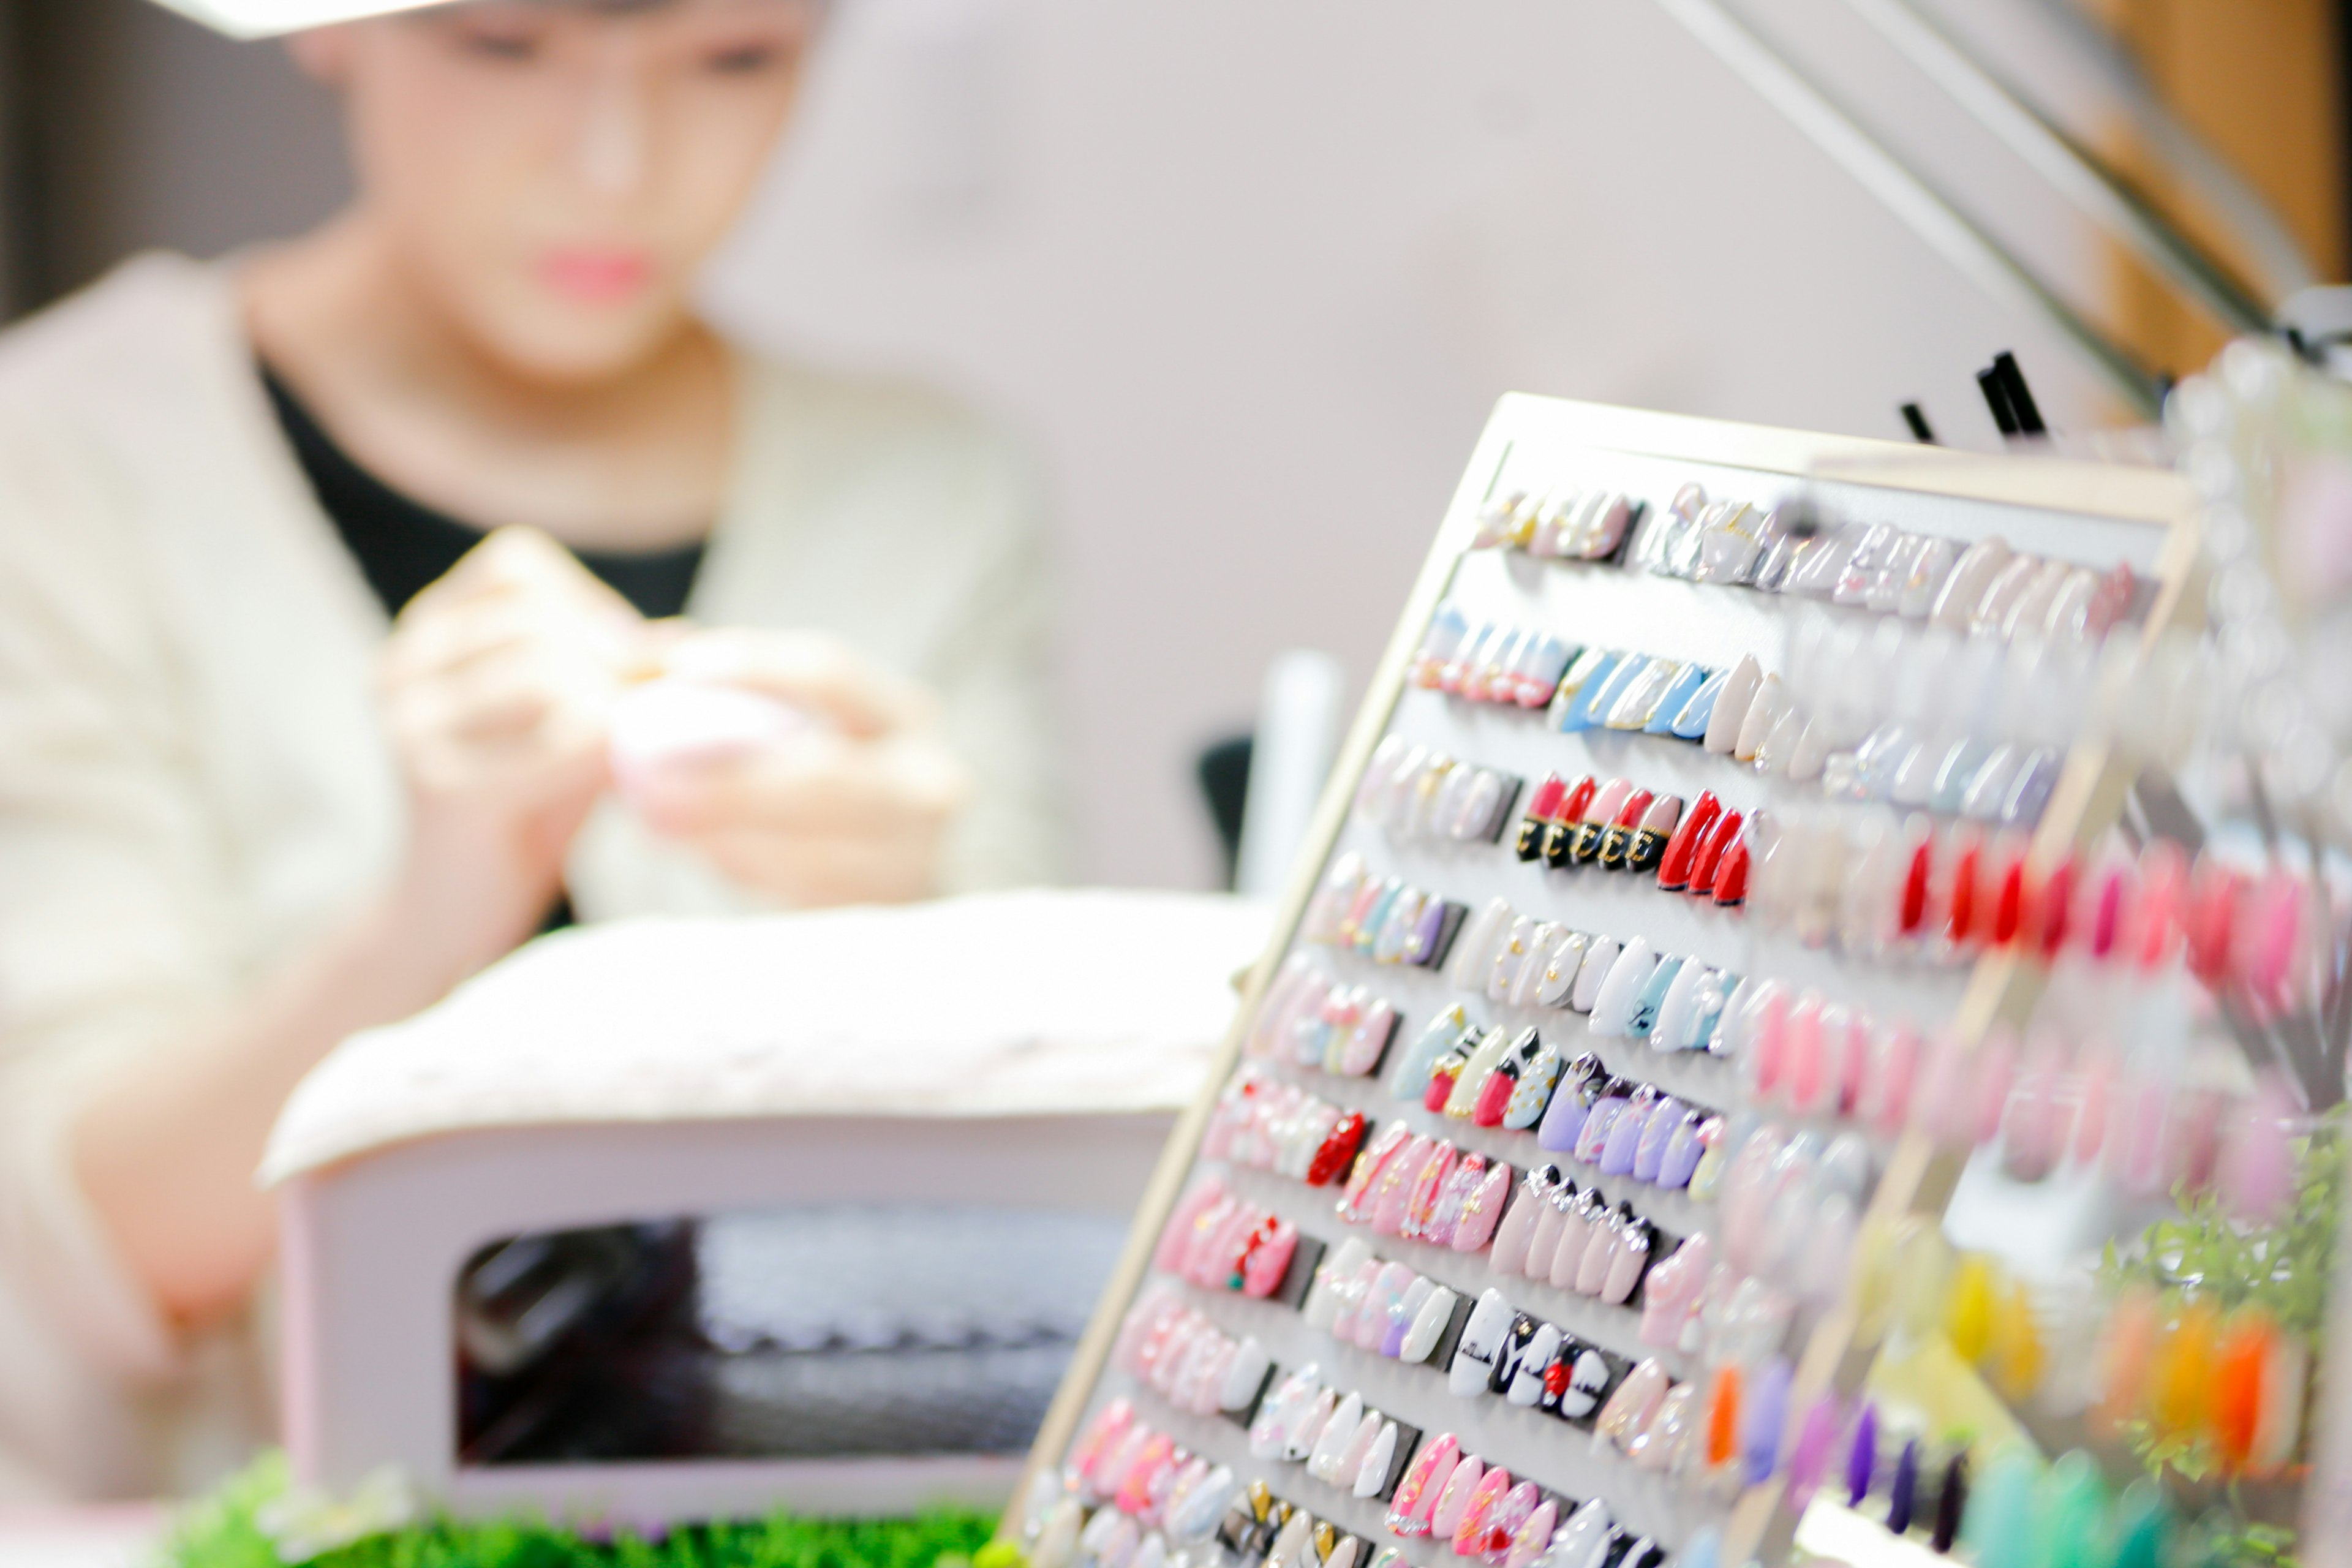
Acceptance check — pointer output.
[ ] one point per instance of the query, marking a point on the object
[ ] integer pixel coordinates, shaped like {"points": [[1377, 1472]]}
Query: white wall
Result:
{"points": [[1251, 275], [1248, 272]]}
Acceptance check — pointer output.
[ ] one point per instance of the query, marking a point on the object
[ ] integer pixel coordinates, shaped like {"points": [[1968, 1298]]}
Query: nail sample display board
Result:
{"points": [[2085, 514]]}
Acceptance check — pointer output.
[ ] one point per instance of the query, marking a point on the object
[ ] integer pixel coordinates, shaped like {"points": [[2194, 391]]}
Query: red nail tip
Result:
{"points": [[1959, 925], [1338, 1150], [1578, 800], [2009, 904], [1914, 888], [2053, 905], [1708, 861], [2208, 918], [1731, 875], [1545, 803], [1675, 865]]}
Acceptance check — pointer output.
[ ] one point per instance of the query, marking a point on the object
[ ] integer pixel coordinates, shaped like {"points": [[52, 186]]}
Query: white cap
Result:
{"points": [[263, 18]]}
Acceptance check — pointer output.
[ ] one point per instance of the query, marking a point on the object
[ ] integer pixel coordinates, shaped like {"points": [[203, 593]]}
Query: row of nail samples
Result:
{"points": [[2023, 1514], [1586, 687], [1269, 1125], [1622, 826], [1458, 1501], [1390, 1192], [1174, 1350], [1382, 918], [1565, 524], [1494, 661], [1874, 886], [1626, 991], [1219, 1242], [2236, 1383], [1984, 588], [1311, 1020], [1419, 792], [1557, 1234], [1617, 1126]]}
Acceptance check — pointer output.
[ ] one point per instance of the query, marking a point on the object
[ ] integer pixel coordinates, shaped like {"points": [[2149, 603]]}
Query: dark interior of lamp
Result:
{"points": [[780, 1333]]}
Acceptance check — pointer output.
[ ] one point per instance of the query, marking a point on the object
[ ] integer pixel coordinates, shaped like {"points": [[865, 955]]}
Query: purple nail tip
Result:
{"points": [[1862, 1460], [1767, 1416], [1903, 1496]]}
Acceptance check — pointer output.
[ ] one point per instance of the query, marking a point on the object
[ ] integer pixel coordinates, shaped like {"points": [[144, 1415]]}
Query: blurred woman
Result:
{"points": [[320, 573]]}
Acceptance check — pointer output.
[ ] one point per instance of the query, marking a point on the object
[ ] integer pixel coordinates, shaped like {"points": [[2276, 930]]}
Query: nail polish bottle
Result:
{"points": [[1616, 841], [1560, 835], [1542, 811]]}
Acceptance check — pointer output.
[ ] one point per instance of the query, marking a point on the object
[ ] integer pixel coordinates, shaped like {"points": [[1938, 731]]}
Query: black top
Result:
{"points": [[404, 546]]}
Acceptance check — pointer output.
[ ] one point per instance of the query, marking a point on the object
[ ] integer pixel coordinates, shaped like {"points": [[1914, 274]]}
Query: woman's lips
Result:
{"points": [[596, 277]]}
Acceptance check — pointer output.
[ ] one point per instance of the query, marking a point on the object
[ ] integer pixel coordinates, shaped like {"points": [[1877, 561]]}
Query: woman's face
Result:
{"points": [[553, 173]]}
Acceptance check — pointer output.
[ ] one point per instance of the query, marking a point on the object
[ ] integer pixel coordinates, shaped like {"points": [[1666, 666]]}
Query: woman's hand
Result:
{"points": [[852, 811], [497, 683]]}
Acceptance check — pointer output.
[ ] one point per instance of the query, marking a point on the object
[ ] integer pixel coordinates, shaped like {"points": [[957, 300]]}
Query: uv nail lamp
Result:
{"points": [[675, 1220]]}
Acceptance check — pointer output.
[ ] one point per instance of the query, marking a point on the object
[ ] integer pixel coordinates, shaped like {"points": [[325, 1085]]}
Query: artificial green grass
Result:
{"points": [[223, 1532]]}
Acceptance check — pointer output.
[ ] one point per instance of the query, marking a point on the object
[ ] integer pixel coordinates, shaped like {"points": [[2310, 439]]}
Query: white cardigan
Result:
{"points": [[194, 783]]}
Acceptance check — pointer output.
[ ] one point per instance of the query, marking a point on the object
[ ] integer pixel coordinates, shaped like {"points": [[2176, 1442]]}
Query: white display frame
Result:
{"points": [[2091, 514]]}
